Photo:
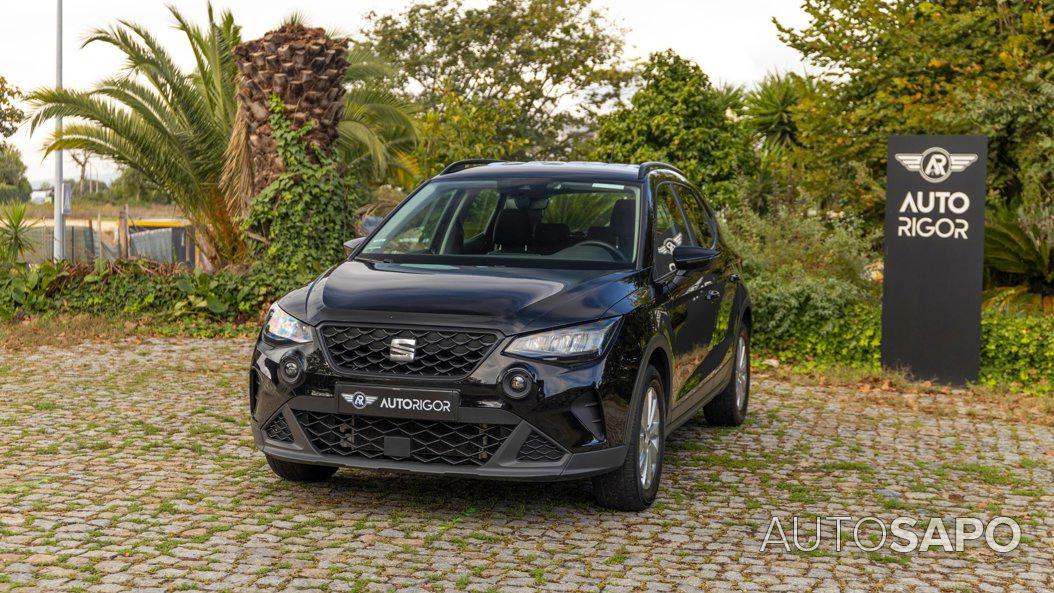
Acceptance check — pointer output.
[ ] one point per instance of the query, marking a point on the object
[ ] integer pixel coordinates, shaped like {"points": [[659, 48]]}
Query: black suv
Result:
{"points": [[535, 321]]}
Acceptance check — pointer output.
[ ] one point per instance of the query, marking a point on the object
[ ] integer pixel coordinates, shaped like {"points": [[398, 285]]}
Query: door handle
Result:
{"points": [[713, 294]]}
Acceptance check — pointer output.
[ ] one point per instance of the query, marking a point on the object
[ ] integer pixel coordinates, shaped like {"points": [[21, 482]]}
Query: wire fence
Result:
{"points": [[87, 240]]}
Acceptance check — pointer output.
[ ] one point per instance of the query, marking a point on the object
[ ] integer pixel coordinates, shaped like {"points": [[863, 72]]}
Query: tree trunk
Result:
{"points": [[305, 69]]}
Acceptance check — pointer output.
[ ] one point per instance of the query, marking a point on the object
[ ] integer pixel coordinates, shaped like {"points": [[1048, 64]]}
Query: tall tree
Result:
{"points": [[10, 114], [14, 187], [679, 117], [905, 66], [542, 66]]}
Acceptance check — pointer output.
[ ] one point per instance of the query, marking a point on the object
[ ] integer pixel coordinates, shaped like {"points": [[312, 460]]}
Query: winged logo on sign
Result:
{"points": [[935, 164], [359, 400]]}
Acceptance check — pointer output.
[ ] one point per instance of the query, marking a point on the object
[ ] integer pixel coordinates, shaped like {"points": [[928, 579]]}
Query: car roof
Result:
{"points": [[564, 169]]}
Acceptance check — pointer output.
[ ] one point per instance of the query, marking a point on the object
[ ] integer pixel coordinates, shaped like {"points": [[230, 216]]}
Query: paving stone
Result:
{"points": [[129, 466]]}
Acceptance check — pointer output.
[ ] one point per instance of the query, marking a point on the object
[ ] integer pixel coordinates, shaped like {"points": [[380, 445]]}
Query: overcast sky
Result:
{"points": [[734, 41]]}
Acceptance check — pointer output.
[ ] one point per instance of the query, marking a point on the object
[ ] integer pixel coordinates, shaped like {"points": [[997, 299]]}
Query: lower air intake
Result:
{"points": [[539, 448], [452, 443], [278, 430]]}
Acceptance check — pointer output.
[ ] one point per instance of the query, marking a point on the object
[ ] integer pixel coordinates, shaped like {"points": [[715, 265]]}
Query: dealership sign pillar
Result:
{"points": [[931, 303]]}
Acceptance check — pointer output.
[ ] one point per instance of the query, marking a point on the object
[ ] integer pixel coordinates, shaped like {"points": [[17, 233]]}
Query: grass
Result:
{"points": [[847, 466], [991, 475], [897, 390], [66, 331]]}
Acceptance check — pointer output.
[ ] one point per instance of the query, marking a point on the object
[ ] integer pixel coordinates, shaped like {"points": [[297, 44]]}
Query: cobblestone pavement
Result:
{"points": [[130, 466]]}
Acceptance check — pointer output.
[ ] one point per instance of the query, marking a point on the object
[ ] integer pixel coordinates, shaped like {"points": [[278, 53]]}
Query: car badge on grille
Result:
{"points": [[402, 349], [359, 400]]}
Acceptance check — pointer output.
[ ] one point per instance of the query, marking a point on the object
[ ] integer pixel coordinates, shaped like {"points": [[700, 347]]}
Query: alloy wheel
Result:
{"points": [[649, 438], [742, 372]]}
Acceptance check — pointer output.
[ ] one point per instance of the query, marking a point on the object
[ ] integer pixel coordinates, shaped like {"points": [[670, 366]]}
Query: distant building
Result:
{"points": [[40, 196]]}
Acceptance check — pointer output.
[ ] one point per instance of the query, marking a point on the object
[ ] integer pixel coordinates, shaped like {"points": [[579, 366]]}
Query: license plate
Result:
{"points": [[398, 402]]}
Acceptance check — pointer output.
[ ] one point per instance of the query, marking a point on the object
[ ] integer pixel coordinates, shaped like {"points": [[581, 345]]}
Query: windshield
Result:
{"points": [[524, 222]]}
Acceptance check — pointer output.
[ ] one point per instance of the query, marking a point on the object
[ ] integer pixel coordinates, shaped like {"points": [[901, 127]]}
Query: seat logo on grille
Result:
{"points": [[359, 400], [402, 349]]}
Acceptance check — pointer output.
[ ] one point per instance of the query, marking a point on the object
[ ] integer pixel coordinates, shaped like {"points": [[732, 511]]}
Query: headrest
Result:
{"points": [[622, 215], [512, 232]]}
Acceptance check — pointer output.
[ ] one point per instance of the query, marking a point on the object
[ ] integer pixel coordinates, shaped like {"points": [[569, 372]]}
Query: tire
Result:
{"points": [[623, 489], [300, 472], [728, 409]]}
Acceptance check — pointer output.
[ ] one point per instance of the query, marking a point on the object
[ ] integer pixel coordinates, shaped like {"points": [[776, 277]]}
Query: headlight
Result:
{"points": [[579, 342], [283, 327]]}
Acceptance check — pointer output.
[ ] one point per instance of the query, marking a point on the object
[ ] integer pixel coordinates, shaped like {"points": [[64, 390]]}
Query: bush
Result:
{"points": [[1018, 348], [816, 319], [140, 288], [789, 246], [822, 323]]}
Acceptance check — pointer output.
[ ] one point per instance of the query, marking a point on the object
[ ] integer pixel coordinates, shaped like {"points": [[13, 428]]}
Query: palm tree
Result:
{"points": [[15, 238], [176, 128], [770, 109], [170, 126], [318, 79]]}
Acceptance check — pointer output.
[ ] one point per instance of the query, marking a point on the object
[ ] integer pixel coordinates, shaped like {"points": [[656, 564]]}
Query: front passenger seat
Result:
{"points": [[512, 231]]}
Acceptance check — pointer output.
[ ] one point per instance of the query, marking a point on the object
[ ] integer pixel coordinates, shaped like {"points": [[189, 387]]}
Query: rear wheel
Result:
{"points": [[729, 408], [300, 472], [633, 486]]}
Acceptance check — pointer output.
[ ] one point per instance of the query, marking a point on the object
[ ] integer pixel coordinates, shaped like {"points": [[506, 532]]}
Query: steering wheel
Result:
{"points": [[611, 250]]}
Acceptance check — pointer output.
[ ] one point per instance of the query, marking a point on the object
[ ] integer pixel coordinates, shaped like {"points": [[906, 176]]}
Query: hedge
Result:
{"points": [[139, 288], [823, 323]]}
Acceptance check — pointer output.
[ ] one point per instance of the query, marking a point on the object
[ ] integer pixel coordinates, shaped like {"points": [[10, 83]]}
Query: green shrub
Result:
{"points": [[308, 212], [816, 324], [26, 288], [789, 246], [1018, 348], [140, 288], [828, 320]]}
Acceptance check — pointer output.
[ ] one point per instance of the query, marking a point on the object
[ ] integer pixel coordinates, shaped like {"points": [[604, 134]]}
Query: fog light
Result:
{"points": [[517, 383], [291, 369]]}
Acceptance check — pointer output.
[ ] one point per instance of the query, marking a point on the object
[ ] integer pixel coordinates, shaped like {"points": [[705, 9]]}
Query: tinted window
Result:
{"points": [[698, 217], [670, 229], [478, 212], [542, 222]]}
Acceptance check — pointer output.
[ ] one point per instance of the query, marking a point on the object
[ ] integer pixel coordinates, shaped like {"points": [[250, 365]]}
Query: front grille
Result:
{"points": [[278, 429], [438, 353], [539, 448], [453, 443]]}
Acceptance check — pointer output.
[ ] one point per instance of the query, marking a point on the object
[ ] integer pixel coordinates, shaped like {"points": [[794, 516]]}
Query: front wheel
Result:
{"points": [[729, 408], [633, 486]]}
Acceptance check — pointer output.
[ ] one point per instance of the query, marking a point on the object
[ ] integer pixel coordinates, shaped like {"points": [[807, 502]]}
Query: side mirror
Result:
{"points": [[352, 245], [687, 257]]}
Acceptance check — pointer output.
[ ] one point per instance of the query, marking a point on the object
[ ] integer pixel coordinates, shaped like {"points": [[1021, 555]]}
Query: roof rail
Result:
{"points": [[466, 163], [650, 166]]}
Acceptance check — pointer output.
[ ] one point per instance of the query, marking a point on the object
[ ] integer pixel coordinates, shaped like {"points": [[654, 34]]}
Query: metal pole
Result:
{"points": [[58, 197]]}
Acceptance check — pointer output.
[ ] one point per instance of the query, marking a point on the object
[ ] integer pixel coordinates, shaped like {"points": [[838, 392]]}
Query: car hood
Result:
{"points": [[508, 299]]}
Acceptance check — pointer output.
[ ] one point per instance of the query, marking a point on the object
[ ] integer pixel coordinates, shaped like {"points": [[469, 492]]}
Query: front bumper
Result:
{"points": [[567, 429], [504, 463]]}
